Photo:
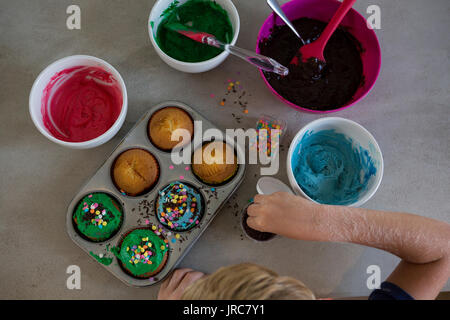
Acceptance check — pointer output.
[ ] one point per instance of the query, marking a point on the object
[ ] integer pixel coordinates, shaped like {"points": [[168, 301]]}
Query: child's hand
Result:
{"points": [[175, 285], [284, 214]]}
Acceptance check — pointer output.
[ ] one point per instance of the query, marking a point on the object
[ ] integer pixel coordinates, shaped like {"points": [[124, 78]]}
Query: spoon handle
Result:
{"points": [[258, 60], [273, 4], [335, 21]]}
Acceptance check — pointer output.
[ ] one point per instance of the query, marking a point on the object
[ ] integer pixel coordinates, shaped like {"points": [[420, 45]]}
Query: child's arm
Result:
{"points": [[423, 244]]}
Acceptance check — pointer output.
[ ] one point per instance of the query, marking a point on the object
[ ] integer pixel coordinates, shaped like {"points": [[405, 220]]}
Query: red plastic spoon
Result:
{"points": [[315, 48]]}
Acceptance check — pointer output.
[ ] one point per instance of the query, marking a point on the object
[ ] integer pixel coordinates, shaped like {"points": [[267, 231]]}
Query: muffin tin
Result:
{"points": [[140, 211]]}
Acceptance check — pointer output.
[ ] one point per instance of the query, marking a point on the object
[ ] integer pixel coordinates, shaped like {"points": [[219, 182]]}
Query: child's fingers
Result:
{"points": [[165, 283], [259, 199], [177, 277], [188, 279], [254, 223], [254, 210]]}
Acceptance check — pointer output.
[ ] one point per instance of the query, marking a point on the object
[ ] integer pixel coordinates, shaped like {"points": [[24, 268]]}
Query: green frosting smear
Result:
{"points": [[141, 252], [103, 260], [196, 15], [98, 216]]}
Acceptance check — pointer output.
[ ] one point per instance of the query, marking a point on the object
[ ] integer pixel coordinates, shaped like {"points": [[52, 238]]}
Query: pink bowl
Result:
{"points": [[355, 24]]}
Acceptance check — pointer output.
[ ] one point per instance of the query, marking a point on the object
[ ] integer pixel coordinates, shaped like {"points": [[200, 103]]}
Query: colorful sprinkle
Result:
{"points": [[264, 141]]}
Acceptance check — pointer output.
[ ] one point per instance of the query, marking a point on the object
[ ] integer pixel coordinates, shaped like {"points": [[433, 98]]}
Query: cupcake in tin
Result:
{"points": [[179, 206], [142, 253], [135, 172], [164, 122], [98, 217], [218, 163]]}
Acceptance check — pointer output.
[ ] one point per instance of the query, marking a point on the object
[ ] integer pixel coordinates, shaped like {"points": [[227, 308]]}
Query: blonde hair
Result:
{"points": [[247, 281]]}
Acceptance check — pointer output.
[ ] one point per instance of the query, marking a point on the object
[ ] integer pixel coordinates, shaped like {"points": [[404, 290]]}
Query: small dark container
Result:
{"points": [[252, 233]]}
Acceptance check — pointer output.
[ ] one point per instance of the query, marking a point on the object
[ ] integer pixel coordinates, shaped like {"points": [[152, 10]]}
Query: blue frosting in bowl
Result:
{"points": [[330, 168]]}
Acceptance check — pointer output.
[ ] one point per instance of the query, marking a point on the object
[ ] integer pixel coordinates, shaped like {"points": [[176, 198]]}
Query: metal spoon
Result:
{"points": [[273, 4]]}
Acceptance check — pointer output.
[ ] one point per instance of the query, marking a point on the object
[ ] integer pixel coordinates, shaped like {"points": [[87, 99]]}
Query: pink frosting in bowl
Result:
{"points": [[79, 102]]}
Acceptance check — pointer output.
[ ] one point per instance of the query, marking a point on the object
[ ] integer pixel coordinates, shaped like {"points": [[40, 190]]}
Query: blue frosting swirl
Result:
{"points": [[330, 168], [179, 206]]}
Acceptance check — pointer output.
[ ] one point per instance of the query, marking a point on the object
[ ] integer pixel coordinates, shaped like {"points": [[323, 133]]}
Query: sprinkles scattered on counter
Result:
{"points": [[236, 94]]}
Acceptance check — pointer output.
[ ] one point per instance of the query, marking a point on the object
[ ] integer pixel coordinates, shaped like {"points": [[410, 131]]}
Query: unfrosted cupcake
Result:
{"points": [[218, 163], [135, 172], [164, 122]]}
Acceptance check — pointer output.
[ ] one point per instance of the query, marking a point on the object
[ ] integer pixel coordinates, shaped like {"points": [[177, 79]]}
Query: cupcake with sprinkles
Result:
{"points": [[98, 217], [179, 206], [143, 253]]}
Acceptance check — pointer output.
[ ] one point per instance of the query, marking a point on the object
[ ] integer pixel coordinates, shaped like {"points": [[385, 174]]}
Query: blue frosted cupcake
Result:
{"points": [[179, 206]]}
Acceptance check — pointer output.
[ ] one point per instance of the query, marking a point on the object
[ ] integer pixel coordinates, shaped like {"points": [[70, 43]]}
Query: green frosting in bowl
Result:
{"points": [[142, 251], [196, 15], [98, 216]]}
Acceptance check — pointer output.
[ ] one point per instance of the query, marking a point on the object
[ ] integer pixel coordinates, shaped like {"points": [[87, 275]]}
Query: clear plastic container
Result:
{"points": [[269, 123]]}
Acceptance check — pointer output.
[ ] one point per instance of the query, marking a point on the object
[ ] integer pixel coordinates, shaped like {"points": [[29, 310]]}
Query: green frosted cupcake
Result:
{"points": [[98, 217], [142, 253]]}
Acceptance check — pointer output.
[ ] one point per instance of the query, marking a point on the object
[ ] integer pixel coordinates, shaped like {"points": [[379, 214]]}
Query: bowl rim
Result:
{"points": [[349, 104], [98, 140], [334, 120], [217, 58]]}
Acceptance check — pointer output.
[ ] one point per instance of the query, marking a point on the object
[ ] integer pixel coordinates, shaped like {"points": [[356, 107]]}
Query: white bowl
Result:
{"points": [[359, 135], [44, 78], [192, 67]]}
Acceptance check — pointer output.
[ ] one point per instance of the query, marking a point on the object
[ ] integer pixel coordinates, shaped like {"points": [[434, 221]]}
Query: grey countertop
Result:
{"points": [[408, 112]]}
